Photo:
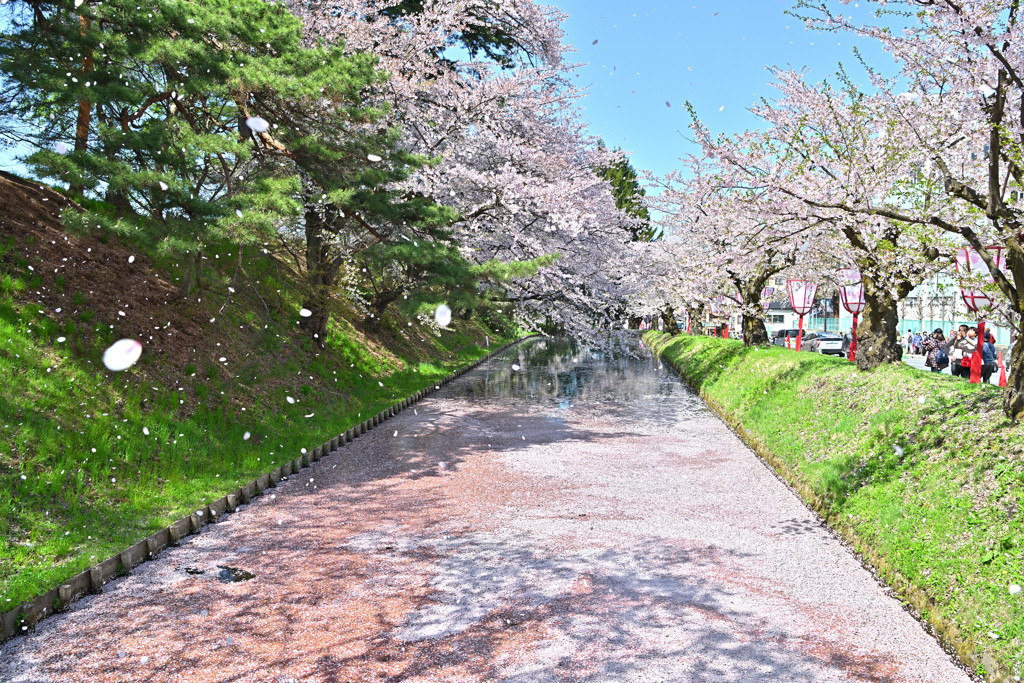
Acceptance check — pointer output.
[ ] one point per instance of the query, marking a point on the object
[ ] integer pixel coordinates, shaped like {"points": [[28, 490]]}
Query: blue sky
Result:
{"points": [[712, 53]]}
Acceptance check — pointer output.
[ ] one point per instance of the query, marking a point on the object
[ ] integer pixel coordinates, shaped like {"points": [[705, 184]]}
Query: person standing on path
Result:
{"points": [[935, 358], [988, 357], [960, 349], [908, 342]]}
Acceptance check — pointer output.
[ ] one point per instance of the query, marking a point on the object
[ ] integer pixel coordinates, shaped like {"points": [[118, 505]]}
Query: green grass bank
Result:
{"points": [[227, 388], [921, 473]]}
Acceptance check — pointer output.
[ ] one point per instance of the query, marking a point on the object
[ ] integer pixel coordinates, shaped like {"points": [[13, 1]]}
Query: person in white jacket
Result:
{"points": [[960, 348]]}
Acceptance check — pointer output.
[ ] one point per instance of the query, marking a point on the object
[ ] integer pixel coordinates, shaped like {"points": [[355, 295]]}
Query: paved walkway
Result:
{"points": [[580, 519]]}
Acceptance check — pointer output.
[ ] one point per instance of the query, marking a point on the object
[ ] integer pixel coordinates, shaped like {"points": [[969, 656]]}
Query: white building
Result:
{"points": [[937, 304]]}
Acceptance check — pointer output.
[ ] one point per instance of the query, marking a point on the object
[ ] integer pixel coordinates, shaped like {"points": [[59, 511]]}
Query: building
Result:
{"points": [[936, 303]]}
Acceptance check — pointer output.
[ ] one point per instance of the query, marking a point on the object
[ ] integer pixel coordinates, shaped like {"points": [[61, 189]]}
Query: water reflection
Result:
{"points": [[560, 374]]}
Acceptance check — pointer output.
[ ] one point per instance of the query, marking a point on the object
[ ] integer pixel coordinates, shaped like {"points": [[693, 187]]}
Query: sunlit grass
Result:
{"points": [[80, 477]]}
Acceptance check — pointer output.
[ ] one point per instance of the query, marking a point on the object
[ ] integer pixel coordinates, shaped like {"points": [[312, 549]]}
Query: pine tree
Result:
{"points": [[629, 196], [166, 89]]}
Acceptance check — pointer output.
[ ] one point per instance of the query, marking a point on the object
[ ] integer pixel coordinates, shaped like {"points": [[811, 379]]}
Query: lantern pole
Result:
{"points": [[853, 342], [800, 333], [972, 297], [976, 359]]}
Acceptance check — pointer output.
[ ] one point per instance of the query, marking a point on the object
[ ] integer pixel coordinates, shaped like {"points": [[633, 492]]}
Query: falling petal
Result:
{"points": [[257, 124], [145, 430], [1014, 589], [289, 399], [238, 212], [122, 354], [515, 367], [245, 437], [131, 259], [442, 465], [305, 312], [163, 186], [61, 340], [373, 157], [443, 315], [62, 148]]}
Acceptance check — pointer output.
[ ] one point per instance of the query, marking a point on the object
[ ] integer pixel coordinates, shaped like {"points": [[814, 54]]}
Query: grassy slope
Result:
{"points": [[80, 477], [924, 468]]}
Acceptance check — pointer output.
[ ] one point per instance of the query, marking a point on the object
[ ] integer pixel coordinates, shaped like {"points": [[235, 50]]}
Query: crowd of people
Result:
{"points": [[954, 351]]}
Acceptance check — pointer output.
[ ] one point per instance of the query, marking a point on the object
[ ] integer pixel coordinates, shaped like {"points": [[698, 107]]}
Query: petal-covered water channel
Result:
{"points": [[556, 514]]}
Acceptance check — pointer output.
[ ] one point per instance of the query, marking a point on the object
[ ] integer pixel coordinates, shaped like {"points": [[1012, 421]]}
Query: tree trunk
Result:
{"points": [[119, 200], [84, 110], [696, 326], [754, 331], [635, 321], [877, 333], [668, 316], [1013, 394], [320, 273], [378, 306], [190, 275]]}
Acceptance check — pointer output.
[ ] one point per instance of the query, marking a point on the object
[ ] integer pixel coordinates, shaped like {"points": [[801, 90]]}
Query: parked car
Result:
{"points": [[779, 336], [831, 343]]}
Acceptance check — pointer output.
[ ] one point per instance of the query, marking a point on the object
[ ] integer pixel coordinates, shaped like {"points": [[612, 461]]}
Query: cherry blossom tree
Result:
{"points": [[832, 155], [511, 159], [957, 113], [729, 234]]}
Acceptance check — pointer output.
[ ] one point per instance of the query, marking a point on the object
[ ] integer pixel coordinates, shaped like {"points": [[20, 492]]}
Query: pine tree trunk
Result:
{"points": [[190, 275], [320, 273], [1013, 394], [84, 110], [877, 333]]}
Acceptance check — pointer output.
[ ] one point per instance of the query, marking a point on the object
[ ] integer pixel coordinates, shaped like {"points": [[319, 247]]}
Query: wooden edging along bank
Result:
{"points": [[925, 607], [24, 617]]}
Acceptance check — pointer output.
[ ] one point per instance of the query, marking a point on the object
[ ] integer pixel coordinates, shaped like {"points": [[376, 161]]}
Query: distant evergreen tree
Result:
{"points": [[629, 197]]}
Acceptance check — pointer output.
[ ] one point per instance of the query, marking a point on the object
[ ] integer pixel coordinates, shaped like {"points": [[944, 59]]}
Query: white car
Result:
{"points": [[829, 343]]}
